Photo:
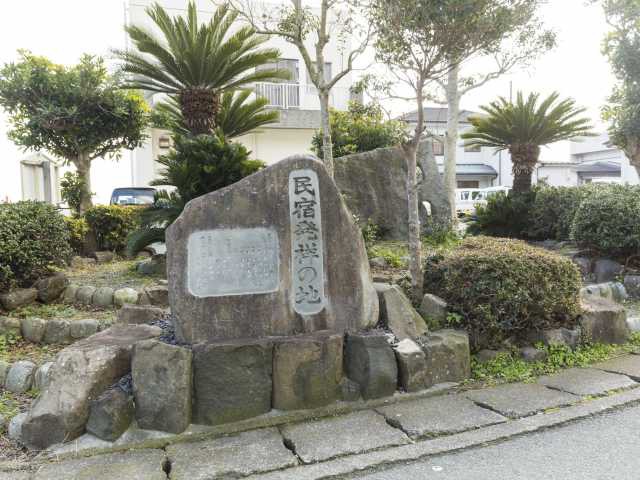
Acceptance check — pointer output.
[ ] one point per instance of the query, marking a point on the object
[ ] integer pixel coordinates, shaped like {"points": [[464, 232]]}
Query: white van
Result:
{"points": [[468, 198]]}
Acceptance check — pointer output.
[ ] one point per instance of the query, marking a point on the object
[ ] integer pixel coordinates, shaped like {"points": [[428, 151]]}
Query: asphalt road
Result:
{"points": [[600, 448]]}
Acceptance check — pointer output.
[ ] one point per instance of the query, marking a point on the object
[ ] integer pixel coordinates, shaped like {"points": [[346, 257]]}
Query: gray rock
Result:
{"points": [[606, 270], [532, 354], [69, 294], [79, 374], [447, 356], [57, 331], [10, 326], [587, 381], [371, 363], [82, 262], [619, 292], [604, 321], [162, 386], [33, 329], [611, 290], [4, 371], [436, 416], [20, 377], [521, 399], [18, 298], [338, 436], [103, 257], [51, 288], [632, 284], [349, 390], [236, 456], [219, 395], [378, 262], [412, 366], [103, 297], [41, 377], [125, 295], [14, 431], [584, 264], [156, 265], [487, 355], [307, 371], [143, 299], [349, 302], [158, 295], [139, 314], [397, 313], [83, 328], [557, 336], [434, 307], [110, 414], [133, 465], [84, 294]]}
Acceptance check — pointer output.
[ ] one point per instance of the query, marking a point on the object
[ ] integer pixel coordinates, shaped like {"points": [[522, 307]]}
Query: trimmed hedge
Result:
{"points": [[503, 288], [552, 212], [608, 220], [504, 215], [78, 230], [112, 224], [33, 239]]}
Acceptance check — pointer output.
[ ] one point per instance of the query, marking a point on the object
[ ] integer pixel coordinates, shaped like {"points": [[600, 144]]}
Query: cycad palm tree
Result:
{"points": [[523, 127], [196, 63]]}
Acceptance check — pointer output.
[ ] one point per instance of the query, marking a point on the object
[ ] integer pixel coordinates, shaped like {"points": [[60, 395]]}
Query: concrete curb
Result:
{"points": [[341, 467]]}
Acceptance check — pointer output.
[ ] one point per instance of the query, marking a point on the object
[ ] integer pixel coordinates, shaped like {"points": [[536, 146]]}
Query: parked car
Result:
{"points": [[468, 198], [133, 196]]}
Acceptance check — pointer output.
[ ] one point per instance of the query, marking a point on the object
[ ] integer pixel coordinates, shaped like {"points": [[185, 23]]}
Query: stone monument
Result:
{"points": [[276, 254]]}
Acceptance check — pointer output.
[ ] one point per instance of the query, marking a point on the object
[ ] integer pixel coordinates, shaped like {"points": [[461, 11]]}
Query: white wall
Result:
{"points": [[556, 175], [274, 144]]}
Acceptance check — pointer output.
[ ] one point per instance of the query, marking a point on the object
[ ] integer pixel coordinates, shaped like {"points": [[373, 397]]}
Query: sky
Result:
{"points": [[64, 29]]}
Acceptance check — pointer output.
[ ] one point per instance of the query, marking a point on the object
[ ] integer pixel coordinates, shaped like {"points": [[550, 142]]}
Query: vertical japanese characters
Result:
{"points": [[307, 262]]}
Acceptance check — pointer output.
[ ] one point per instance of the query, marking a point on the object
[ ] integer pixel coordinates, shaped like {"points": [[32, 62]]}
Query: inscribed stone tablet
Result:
{"points": [[234, 261]]}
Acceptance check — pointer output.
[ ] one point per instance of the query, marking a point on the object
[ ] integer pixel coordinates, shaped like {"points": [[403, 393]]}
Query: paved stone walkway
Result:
{"points": [[335, 446]]}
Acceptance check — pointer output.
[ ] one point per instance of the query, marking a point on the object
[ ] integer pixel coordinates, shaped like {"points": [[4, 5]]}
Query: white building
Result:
{"points": [[296, 99]]}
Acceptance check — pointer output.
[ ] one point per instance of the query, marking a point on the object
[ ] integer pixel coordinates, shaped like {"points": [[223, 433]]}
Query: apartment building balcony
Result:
{"points": [[297, 96]]}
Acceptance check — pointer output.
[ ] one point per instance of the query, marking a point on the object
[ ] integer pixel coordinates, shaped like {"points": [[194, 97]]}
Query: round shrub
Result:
{"points": [[502, 288], [608, 220], [504, 215], [553, 210], [112, 224], [33, 239]]}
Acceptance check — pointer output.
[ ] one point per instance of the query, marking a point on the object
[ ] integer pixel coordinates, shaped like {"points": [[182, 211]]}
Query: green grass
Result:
{"points": [[69, 312], [508, 367], [116, 274], [9, 405]]}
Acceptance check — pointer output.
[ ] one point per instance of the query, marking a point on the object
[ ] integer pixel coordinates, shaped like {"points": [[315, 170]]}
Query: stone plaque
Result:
{"points": [[307, 259], [236, 261]]}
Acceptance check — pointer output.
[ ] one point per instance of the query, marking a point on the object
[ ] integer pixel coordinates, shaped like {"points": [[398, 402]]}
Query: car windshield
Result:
{"points": [[132, 196]]}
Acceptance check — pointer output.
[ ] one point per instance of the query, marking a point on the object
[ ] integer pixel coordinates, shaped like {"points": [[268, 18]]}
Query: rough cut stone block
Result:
{"points": [[83, 328], [447, 356], [139, 314], [158, 295], [371, 363], [103, 297], [33, 329], [557, 336], [606, 270], [349, 390], [604, 321], [274, 223], [234, 456], [110, 414], [10, 326], [231, 380], [20, 377], [433, 307], [307, 371], [18, 298], [162, 386], [14, 430], [347, 434], [412, 366], [51, 288], [69, 294], [397, 314], [84, 294], [531, 354], [41, 377], [103, 257], [80, 373], [125, 295], [57, 331]]}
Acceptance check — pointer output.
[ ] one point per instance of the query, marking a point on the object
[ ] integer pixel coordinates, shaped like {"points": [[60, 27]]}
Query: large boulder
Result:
{"points": [[231, 380], [448, 357], [606, 270], [371, 363], [412, 366], [397, 313], [80, 374], [162, 386], [18, 298], [604, 321], [51, 288], [274, 254], [111, 414], [138, 314], [307, 371], [433, 307]]}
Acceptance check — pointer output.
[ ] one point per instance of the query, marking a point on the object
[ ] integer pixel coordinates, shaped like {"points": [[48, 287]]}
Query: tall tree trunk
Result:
{"points": [[524, 159], [83, 168], [451, 138], [327, 145]]}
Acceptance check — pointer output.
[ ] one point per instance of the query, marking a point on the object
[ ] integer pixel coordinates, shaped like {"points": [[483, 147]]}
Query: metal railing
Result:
{"points": [[280, 95]]}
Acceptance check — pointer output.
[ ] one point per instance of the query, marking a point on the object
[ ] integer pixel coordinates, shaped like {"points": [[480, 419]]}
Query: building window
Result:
{"points": [[472, 148], [468, 184], [438, 148]]}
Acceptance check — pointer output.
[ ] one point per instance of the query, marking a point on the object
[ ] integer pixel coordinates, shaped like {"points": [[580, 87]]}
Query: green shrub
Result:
{"points": [[33, 239], [502, 288], [71, 188], [78, 229], [608, 220], [553, 210], [504, 215], [112, 224]]}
